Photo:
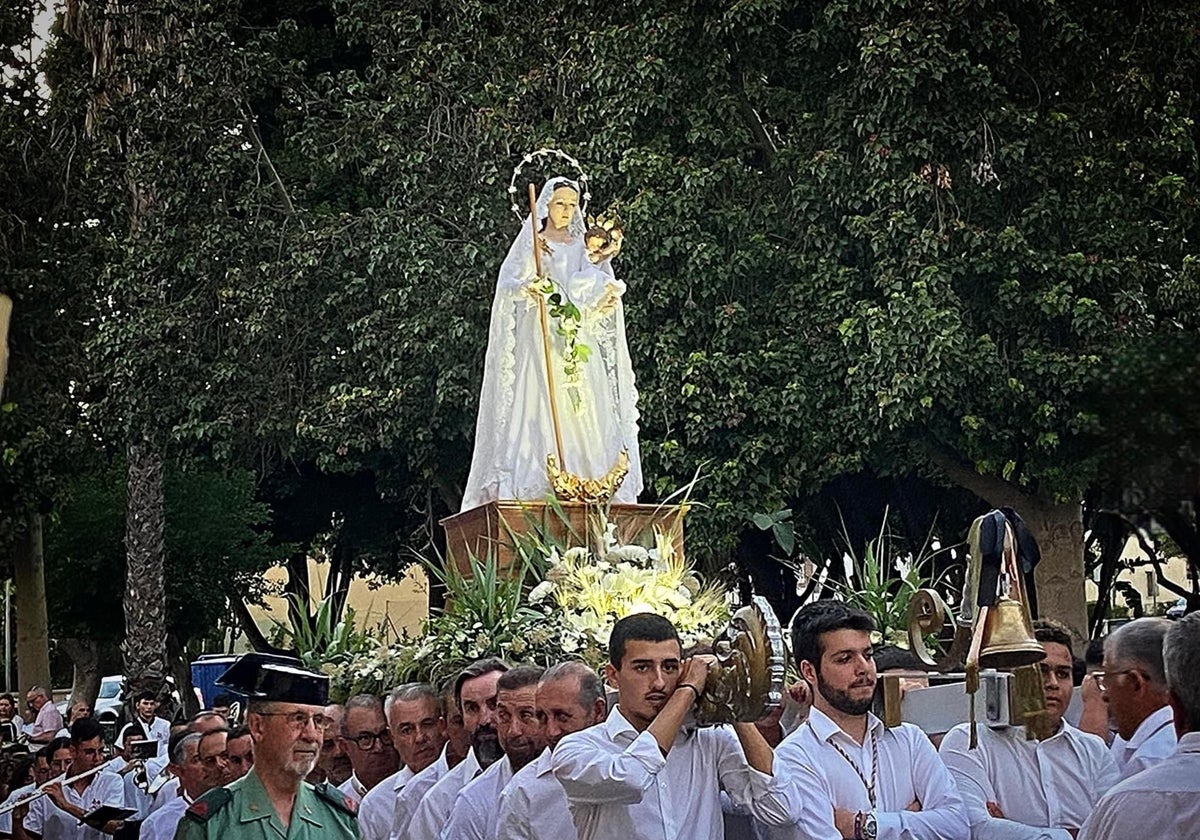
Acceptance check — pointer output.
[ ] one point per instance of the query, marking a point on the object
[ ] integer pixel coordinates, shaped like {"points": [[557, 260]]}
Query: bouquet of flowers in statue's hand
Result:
{"points": [[590, 590]]}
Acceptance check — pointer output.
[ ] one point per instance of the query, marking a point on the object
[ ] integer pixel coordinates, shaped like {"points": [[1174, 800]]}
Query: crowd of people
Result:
{"points": [[515, 751]]}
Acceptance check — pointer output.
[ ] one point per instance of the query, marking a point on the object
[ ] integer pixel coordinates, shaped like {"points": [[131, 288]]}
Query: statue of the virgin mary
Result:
{"points": [[579, 318]]}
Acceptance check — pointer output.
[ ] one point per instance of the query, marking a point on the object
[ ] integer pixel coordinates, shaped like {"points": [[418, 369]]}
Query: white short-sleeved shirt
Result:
{"points": [[434, 811], [47, 819], [410, 796], [1042, 787]]}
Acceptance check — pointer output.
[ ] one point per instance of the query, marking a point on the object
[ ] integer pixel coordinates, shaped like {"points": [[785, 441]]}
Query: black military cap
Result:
{"points": [[263, 676]]}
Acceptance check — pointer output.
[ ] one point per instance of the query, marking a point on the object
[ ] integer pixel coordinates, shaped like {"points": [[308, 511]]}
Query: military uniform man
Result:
{"points": [[273, 802]]}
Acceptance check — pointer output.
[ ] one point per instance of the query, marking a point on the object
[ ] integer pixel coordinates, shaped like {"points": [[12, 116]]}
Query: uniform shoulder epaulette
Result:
{"points": [[336, 798], [209, 804]]}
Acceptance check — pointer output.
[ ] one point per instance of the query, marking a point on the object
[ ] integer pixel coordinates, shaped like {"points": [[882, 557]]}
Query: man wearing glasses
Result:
{"points": [[1020, 789], [1135, 689], [367, 741], [286, 721]]}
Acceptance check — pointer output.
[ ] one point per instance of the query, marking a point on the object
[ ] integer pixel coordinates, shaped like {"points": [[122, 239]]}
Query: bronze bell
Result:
{"points": [[1008, 640]]}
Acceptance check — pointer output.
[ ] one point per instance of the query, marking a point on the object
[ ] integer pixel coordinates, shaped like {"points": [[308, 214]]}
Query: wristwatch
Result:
{"points": [[866, 827]]}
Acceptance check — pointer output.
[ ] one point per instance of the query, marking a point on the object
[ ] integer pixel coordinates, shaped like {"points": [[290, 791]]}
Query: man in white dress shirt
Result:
{"points": [[640, 775], [533, 806], [1019, 789], [848, 775], [366, 739], [1163, 800], [57, 815], [418, 729], [475, 695], [522, 739], [195, 780], [1135, 689], [458, 745], [155, 728]]}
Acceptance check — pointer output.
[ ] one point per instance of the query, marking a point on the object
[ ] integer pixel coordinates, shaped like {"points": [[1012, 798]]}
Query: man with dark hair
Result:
{"points": [[475, 694], [458, 746], [1020, 789], [533, 806], [1163, 800], [414, 716], [366, 739], [239, 751], [848, 775], [640, 774], [473, 816], [1135, 688], [145, 705], [8, 712], [59, 814], [286, 717], [221, 704]]}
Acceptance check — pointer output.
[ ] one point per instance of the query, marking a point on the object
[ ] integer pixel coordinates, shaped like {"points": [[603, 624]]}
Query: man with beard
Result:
{"points": [[365, 738], [521, 738], [286, 720], [414, 717], [475, 694], [458, 746], [848, 775], [533, 806], [1014, 788], [640, 774]]}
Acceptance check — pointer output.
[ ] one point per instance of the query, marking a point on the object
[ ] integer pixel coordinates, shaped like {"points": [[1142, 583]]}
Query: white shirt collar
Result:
{"points": [[824, 727], [1157, 720], [1189, 742]]}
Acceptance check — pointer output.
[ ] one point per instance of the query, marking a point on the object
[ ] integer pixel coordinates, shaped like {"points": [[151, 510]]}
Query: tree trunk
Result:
{"points": [[145, 647], [33, 633], [85, 656]]}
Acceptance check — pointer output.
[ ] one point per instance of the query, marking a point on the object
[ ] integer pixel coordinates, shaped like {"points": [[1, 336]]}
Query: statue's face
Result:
{"points": [[563, 202]]}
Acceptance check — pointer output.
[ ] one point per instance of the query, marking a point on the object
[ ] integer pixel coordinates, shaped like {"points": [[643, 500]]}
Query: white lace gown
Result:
{"points": [[597, 414]]}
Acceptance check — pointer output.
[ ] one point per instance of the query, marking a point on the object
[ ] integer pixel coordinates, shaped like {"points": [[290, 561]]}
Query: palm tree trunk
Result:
{"points": [[145, 647]]}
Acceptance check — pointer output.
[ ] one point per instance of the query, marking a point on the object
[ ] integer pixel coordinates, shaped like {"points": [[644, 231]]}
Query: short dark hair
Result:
{"points": [[478, 668], [9, 698], [1094, 653], [85, 729], [522, 676], [825, 616], [1049, 630], [54, 746], [640, 627], [144, 695], [237, 732], [222, 700]]}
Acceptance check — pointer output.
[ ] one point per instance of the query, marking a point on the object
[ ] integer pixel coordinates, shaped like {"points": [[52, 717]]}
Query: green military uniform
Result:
{"points": [[243, 811]]}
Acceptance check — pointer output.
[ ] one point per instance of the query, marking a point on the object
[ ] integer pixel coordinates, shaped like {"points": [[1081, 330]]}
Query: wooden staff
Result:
{"points": [[541, 299]]}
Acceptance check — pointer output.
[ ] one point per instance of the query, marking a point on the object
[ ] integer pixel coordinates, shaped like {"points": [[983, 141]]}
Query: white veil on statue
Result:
{"points": [[597, 406]]}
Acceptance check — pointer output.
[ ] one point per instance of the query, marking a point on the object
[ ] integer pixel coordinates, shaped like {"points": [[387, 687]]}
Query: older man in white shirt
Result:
{"points": [[458, 746], [849, 775], [1163, 800], [1020, 789], [196, 778], [1135, 689], [522, 739], [533, 806], [475, 694], [640, 775], [414, 717]]}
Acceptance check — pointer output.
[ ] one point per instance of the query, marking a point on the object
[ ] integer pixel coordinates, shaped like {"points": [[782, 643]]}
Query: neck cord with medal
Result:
{"points": [[869, 785]]}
